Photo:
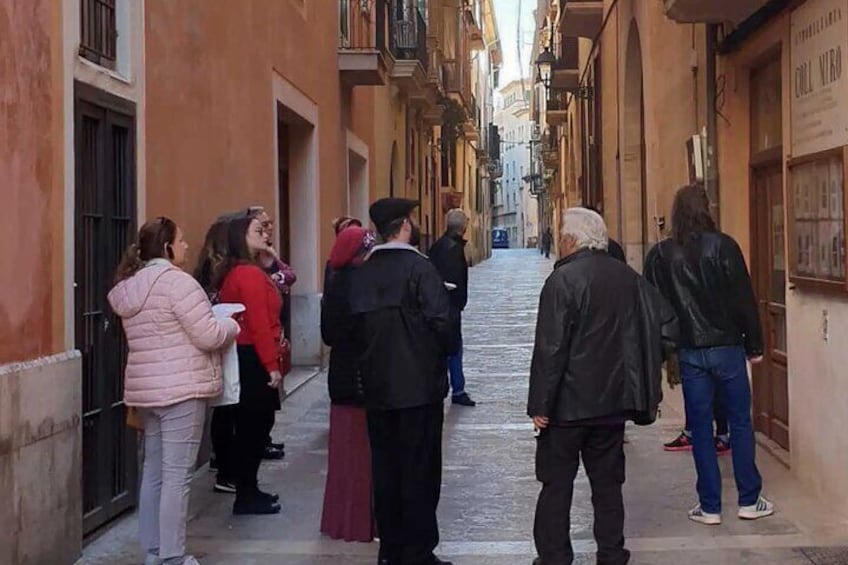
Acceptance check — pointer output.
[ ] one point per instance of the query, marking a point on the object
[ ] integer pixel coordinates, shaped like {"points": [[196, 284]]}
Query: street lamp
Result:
{"points": [[544, 64]]}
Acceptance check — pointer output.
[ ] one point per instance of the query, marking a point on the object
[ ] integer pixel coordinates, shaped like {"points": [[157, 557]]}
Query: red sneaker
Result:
{"points": [[722, 447], [681, 443]]}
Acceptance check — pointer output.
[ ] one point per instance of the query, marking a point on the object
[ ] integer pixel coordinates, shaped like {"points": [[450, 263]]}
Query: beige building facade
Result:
{"points": [[748, 98]]}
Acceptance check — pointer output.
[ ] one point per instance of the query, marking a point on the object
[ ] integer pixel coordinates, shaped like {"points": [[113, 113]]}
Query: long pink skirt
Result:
{"points": [[348, 512]]}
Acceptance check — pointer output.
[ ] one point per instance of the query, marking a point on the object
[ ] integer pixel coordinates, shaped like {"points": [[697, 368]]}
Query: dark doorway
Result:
{"points": [[284, 211]]}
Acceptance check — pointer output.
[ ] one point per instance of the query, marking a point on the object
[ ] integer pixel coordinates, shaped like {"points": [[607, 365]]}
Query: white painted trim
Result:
{"points": [[355, 144], [304, 185]]}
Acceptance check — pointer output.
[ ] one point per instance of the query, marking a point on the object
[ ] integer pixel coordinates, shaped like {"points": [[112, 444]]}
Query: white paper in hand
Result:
{"points": [[229, 359]]}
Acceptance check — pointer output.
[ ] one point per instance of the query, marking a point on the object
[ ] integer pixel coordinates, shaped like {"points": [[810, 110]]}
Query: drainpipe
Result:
{"points": [[711, 173]]}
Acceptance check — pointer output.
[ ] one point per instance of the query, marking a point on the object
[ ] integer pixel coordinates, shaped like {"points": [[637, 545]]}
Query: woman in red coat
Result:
{"points": [[243, 281]]}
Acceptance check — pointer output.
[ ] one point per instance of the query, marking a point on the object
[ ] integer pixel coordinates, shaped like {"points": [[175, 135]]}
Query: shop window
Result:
{"points": [[816, 199]]}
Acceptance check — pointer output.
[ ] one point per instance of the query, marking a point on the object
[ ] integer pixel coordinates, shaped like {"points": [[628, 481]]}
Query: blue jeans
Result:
{"points": [[457, 376], [723, 370]]}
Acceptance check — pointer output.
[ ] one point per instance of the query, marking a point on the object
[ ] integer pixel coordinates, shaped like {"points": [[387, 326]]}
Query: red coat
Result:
{"points": [[260, 323]]}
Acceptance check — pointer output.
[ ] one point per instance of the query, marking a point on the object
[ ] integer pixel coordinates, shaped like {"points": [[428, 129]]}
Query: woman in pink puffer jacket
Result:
{"points": [[173, 369]]}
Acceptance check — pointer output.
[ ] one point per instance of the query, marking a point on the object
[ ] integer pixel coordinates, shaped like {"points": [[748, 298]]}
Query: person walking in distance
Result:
{"points": [[547, 242], [173, 369], [595, 312], [448, 255], [702, 272], [405, 335], [347, 513], [244, 282]]}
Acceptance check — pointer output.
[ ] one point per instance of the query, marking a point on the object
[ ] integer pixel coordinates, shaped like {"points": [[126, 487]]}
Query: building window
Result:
{"points": [[99, 32]]}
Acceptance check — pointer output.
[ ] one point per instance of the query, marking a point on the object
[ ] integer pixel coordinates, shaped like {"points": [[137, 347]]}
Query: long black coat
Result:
{"points": [[403, 328], [338, 331], [448, 255], [598, 350]]}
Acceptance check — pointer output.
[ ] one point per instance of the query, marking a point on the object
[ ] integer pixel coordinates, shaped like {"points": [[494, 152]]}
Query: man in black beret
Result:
{"points": [[405, 335]]}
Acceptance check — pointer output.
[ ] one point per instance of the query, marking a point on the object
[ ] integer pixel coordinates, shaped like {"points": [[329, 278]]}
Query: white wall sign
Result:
{"points": [[819, 87]]}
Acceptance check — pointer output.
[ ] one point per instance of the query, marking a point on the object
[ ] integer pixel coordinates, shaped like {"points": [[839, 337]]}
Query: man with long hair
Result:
{"points": [[702, 273]]}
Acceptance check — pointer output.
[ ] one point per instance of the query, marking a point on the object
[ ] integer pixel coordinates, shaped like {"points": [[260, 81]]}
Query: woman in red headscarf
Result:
{"points": [[348, 512]]}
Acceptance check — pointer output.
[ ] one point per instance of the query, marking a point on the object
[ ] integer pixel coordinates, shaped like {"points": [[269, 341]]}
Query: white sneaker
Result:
{"points": [[191, 560], [759, 510], [698, 515]]}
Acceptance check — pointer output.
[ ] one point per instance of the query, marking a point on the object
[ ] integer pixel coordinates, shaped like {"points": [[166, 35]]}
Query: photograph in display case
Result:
{"points": [[824, 242], [836, 192], [822, 208]]}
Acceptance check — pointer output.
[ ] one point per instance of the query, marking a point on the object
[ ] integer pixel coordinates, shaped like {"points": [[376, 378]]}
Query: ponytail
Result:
{"points": [[130, 264]]}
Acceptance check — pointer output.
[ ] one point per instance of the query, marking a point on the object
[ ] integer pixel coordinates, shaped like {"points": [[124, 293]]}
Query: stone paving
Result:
{"points": [[489, 492]]}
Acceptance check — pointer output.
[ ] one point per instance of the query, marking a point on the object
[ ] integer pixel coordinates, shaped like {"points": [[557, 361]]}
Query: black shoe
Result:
{"points": [[273, 497], [281, 446], [224, 486], [537, 561], [463, 400], [273, 454], [436, 561], [255, 505]]}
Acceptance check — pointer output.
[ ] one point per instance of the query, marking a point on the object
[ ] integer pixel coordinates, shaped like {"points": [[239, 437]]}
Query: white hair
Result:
{"points": [[586, 227], [456, 220]]}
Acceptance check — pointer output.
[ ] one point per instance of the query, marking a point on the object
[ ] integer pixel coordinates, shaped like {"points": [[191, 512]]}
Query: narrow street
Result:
{"points": [[489, 488]]}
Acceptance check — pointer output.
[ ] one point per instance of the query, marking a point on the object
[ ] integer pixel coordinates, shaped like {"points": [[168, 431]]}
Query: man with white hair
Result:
{"points": [[448, 255], [597, 363]]}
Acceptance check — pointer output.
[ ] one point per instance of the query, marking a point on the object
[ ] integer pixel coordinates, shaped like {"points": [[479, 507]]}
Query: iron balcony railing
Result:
{"points": [[362, 24], [409, 38]]}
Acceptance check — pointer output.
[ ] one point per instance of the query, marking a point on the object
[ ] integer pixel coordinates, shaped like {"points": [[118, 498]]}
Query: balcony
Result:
{"points": [[475, 34], [458, 82], [583, 18], [711, 11], [495, 168], [362, 41], [472, 126], [556, 111], [408, 46], [565, 74]]}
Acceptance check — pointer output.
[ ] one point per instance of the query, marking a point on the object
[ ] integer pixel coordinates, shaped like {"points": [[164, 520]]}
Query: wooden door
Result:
{"points": [[105, 212], [770, 378]]}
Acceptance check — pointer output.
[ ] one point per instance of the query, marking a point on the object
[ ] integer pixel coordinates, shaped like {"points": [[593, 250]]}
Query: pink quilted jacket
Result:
{"points": [[174, 339]]}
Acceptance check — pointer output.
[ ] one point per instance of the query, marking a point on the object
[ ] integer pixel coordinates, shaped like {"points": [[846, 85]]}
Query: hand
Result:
{"points": [[276, 379], [756, 360], [541, 422]]}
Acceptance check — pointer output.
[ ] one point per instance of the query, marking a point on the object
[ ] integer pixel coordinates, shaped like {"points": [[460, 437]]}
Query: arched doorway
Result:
{"points": [[633, 205]]}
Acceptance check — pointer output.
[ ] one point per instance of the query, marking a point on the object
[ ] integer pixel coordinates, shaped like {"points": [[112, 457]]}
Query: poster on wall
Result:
{"points": [[819, 86]]}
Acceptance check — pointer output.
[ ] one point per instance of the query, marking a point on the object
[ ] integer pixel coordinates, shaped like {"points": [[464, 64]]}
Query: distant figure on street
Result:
{"points": [[448, 255], [406, 334], [702, 272], [347, 512], [547, 242], [614, 248], [597, 363], [173, 370]]}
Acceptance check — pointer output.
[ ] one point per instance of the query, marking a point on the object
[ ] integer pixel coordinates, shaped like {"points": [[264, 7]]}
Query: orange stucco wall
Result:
{"points": [[31, 180], [211, 125]]}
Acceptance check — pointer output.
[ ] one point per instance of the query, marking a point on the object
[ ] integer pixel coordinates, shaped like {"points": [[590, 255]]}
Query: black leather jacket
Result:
{"points": [[598, 350], [403, 329], [707, 283]]}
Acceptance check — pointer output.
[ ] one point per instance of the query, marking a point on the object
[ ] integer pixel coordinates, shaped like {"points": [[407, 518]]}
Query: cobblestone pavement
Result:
{"points": [[489, 492]]}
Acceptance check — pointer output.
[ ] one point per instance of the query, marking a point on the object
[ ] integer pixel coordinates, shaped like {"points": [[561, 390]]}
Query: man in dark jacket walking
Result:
{"points": [[702, 272], [596, 363], [448, 255], [402, 312]]}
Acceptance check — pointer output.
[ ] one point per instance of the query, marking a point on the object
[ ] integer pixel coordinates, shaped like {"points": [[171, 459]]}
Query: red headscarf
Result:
{"points": [[351, 246]]}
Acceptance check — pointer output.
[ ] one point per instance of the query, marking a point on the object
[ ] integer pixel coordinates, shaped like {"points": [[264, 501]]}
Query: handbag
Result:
{"points": [[134, 418], [231, 390], [285, 357]]}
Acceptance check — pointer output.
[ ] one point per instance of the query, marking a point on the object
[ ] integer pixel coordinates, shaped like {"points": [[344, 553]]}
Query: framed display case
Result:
{"points": [[816, 220]]}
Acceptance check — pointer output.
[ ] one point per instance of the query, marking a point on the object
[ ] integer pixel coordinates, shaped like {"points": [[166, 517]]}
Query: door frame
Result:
{"points": [[89, 100]]}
